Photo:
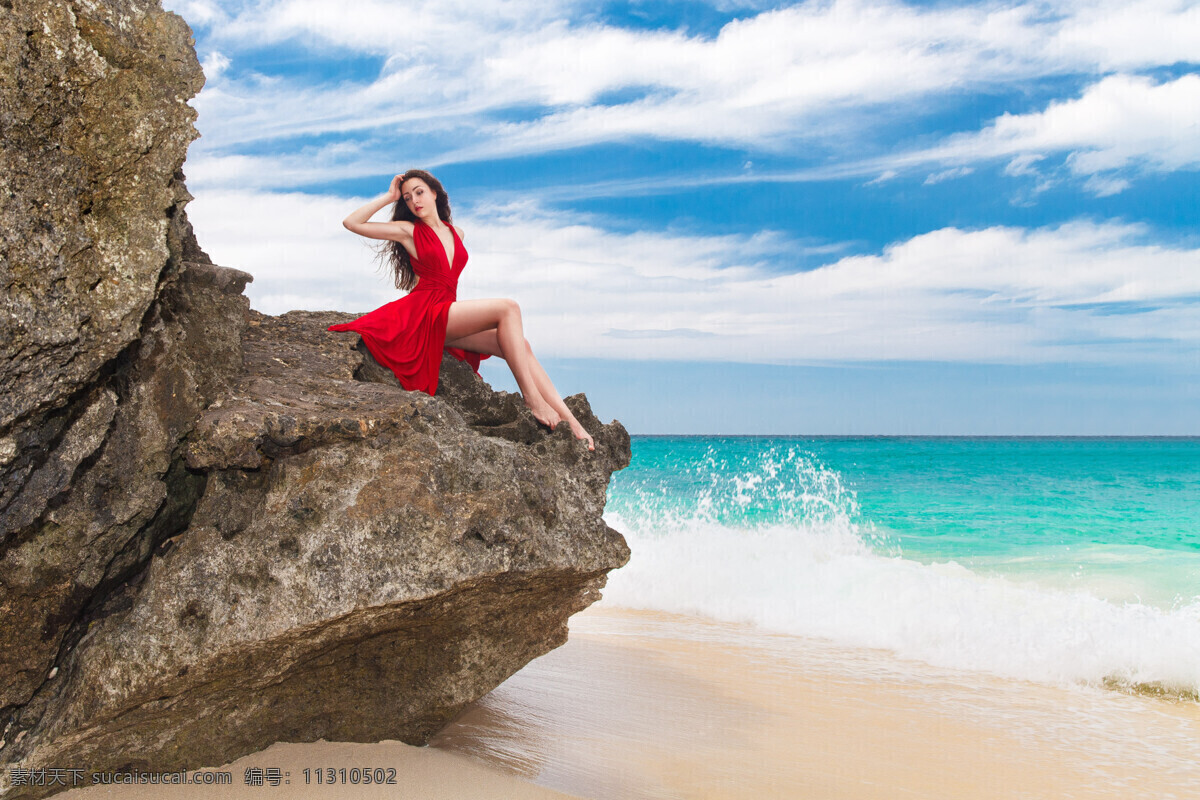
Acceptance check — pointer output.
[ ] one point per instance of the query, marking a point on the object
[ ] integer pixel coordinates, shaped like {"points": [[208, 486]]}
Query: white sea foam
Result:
{"points": [[820, 574]]}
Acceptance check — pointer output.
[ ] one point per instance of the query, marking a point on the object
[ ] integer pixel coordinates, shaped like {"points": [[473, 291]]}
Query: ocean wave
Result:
{"points": [[777, 542], [824, 581]]}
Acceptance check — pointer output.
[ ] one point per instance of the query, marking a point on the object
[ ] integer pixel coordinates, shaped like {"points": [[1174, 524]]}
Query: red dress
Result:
{"points": [[408, 335]]}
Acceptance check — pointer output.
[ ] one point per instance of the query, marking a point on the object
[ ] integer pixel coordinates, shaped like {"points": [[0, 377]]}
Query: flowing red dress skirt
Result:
{"points": [[408, 335]]}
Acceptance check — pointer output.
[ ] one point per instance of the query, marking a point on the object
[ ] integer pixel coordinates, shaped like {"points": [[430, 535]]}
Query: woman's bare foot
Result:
{"points": [[544, 414], [581, 434]]}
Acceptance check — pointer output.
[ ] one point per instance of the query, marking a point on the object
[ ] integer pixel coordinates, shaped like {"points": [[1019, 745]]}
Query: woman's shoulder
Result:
{"points": [[458, 230]]}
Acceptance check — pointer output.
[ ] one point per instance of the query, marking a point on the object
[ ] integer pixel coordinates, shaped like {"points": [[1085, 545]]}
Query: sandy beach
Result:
{"points": [[651, 705], [420, 772], [643, 704]]}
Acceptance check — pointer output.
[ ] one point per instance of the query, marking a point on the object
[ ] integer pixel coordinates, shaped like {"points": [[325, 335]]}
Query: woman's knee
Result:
{"points": [[510, 308]]}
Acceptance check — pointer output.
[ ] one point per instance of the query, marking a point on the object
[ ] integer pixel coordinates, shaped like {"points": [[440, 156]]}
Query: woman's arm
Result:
{"points": [[358, 219]]}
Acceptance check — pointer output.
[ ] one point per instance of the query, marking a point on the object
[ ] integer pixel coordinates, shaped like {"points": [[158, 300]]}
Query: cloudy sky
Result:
{"points": [[742, 217]]}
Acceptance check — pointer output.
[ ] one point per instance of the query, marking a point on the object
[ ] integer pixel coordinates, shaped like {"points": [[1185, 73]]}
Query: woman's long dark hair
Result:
{"points": [[393, 255]]}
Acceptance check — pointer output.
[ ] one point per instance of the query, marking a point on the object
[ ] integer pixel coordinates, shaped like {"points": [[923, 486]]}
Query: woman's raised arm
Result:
{"points": [[358, 219]]}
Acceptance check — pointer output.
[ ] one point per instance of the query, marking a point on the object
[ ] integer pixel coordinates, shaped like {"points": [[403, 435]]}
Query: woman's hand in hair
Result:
{"points": [[393, 192], [359, 220]]}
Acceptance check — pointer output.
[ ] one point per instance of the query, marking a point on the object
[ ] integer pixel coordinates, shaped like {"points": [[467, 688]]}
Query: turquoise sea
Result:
{"points": [[1058, 560]]}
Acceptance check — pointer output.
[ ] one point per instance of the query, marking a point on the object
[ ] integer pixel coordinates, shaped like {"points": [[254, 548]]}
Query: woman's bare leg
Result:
{"points": [[487, 342], [504, 317], [551, 394]]}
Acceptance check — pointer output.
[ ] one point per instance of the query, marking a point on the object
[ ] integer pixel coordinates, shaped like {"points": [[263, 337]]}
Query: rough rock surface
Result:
{"points": [[218, 529], [94, 127], [361, 563]]}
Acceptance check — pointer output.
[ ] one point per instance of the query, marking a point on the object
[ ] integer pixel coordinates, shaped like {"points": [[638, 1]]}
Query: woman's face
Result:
{"points": [[417, 195]]}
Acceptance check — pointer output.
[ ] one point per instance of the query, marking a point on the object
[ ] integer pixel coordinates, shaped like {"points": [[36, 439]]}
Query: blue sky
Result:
{"points": [[726, 217]]}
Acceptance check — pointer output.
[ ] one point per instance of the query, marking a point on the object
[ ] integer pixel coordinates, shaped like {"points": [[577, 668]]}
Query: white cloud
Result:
{"points": [[948, 175], [1024, 164], [1123, 35], [996, 295], [1121, 122], [1119, 127], [198, 13], [214, 64], [815, 72], [1105, 187]]}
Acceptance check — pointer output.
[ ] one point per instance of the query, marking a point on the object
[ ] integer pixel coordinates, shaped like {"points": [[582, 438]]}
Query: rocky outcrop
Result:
{"points": [[360, 563], [95, 125], [218, 529]]}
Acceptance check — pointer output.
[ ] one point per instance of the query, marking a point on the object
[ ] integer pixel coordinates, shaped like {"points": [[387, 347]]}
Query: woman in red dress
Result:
{"points": [[408, 335]]}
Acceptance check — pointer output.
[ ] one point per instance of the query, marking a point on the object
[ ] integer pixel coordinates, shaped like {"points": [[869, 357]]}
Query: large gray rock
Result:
{"points": [[115, 484], [95, 125], [219, 530], [360, 564], [103, 372]]}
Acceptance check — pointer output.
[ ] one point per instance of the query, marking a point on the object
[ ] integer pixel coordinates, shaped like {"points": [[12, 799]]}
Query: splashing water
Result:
{"points": [[765, 531]]}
